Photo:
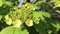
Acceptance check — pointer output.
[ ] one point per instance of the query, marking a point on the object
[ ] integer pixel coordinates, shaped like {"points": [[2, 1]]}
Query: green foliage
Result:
{"points": [[57, 3], [28, 19], [41, 27], [12, 30], [1, 3], [0, 17]]}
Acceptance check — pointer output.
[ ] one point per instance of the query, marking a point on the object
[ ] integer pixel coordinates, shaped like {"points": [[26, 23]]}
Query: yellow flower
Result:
{"points": [[8, 20], [36, 20], [29, 23], [17, 23]]}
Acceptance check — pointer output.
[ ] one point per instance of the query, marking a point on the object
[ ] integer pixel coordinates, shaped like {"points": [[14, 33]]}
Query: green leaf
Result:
{"points": [[41, 14], [46, 14], [1, 3], [37, 14], [57, 26], [41, 27], [0, 17], [8, 3], [49, 31], [8, 30], [13, 30], [21, 31]]}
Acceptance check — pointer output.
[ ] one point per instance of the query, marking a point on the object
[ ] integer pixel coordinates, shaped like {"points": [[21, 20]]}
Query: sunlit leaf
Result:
{"points": [[13, 30], [1, 2]]}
